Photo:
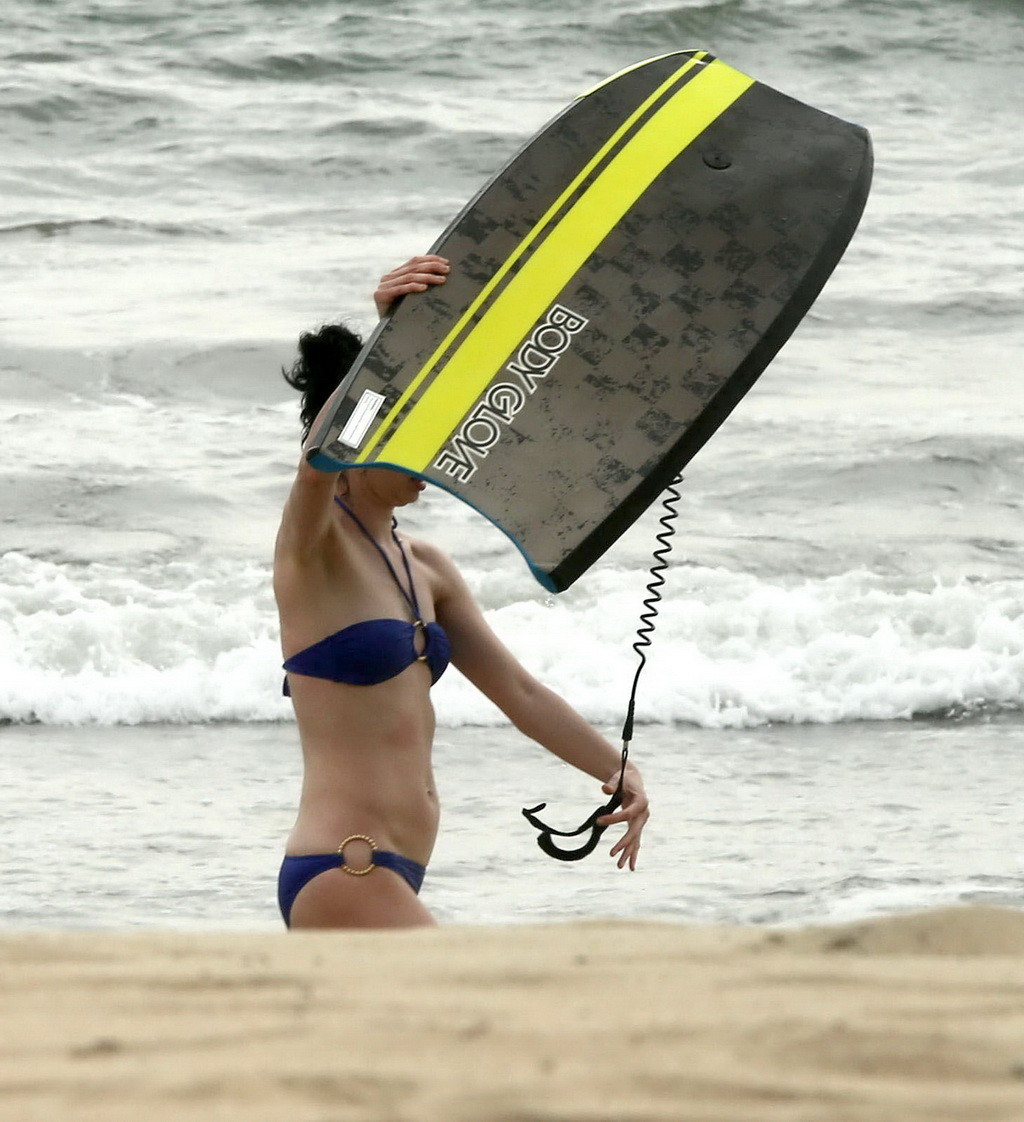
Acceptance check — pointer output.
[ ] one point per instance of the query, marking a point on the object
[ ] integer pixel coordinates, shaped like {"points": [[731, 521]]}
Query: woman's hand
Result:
{"points": [[635, 810], [416, 275]]}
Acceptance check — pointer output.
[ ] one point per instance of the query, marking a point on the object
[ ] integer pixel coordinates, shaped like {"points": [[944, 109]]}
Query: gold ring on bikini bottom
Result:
{"points": [[348, 868]]}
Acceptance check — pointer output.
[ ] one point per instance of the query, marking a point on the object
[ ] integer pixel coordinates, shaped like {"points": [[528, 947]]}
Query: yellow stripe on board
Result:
{"points": [[557, 259], [520, 249]]}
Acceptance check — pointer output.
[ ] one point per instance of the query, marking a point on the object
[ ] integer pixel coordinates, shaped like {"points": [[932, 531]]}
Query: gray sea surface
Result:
{"points": [[182, 826]]}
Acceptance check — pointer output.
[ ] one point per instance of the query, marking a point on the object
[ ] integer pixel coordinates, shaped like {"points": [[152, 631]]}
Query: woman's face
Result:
{"points": [[391, 488]]}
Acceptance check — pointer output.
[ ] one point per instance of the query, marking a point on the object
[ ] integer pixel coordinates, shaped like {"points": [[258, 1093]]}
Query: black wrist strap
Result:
{"points": [[547, 834]]}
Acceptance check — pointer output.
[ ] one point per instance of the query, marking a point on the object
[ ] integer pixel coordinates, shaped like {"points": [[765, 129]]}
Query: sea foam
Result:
{"points": [[190, 642]]}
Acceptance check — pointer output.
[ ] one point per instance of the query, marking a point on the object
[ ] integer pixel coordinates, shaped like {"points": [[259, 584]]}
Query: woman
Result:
{"points": [[369, 621]]}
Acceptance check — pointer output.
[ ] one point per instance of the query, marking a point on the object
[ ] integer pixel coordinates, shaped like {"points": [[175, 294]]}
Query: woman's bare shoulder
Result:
{"points": [[427, 553], [307, 517], [443, 570]]}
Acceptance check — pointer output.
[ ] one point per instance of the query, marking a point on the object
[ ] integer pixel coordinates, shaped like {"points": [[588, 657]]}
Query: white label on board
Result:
{"points": [[364, 414]]}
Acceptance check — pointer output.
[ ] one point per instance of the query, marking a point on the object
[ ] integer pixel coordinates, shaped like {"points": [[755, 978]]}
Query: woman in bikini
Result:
{"points": [[370, 619]]}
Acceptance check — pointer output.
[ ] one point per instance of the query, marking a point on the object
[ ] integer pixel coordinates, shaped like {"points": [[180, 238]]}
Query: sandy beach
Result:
{"points": [[913, 1017]]}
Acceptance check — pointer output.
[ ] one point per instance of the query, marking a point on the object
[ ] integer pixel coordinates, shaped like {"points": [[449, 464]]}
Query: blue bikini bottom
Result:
{"points": [[297, 872]]}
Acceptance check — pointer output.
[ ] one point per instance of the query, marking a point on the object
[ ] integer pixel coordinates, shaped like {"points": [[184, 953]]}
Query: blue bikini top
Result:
{"points": [[374, 650]]}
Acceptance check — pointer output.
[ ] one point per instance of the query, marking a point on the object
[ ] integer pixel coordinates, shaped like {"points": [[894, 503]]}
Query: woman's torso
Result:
{"points": [[366, 748]]}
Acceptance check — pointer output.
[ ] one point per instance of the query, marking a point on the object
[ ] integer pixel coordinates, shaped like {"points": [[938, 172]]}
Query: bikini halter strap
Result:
{"points": [[410, 596]]}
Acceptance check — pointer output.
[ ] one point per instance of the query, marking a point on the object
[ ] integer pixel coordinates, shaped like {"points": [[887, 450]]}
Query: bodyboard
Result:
{"points": [[614, 291]]}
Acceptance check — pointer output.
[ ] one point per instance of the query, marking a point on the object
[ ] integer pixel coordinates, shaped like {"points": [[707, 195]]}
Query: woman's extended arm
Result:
{"points": [[535, 710]]}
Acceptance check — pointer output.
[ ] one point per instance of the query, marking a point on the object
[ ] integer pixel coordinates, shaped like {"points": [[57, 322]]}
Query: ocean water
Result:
{"points": [[185, 188], [181, 825]]}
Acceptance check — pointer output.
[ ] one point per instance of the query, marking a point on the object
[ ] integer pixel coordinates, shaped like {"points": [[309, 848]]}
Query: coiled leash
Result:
{"points": [[546, 834]]}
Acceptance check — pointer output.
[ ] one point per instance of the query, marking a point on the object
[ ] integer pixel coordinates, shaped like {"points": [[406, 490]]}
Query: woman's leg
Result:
{"points": [[336, 899]]}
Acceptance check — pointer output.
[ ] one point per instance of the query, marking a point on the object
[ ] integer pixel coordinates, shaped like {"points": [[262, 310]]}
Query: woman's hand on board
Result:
{"points": [[416, 275]]}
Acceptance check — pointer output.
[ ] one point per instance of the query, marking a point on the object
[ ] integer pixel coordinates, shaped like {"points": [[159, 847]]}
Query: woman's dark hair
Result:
{"points": [[324, 359]]}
